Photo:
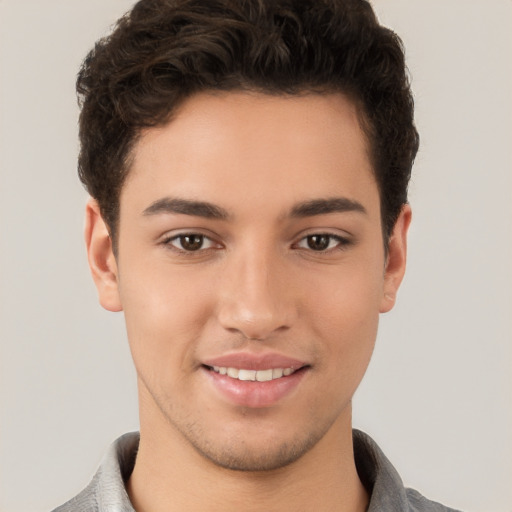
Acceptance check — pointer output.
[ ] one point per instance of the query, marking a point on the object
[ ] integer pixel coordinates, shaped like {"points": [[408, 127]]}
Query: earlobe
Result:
{"points": [[101, 258], [396, 259]]}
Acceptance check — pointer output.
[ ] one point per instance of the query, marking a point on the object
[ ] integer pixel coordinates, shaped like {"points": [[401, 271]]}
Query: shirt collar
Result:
{"points": [[107, 491], [378, 475]]}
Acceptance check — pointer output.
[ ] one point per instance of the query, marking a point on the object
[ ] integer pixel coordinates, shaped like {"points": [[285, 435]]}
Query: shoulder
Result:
{"points": [[107, 491], [83, 502], [383, 483], [418, 503]]}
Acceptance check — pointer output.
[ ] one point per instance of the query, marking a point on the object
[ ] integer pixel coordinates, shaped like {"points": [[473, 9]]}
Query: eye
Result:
{"points": [[190, 242], [322, 242]]}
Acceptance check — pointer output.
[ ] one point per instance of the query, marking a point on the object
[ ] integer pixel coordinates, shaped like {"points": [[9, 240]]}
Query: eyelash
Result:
{"points": [[168, 242], [341, 243]]}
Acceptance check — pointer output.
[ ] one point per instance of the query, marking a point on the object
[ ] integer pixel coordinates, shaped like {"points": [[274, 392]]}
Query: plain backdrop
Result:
{"points": [[438, 394]]}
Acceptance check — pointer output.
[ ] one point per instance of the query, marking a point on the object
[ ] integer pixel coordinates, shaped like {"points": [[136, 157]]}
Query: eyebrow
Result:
{"points": [[186, 207], [326, 206], [211, 211]]}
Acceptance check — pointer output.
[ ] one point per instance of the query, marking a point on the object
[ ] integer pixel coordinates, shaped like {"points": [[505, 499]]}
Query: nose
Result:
{"points": [[256, 299]]}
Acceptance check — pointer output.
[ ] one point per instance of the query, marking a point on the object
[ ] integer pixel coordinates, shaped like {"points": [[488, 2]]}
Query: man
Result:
{"points": [[248, 165]]}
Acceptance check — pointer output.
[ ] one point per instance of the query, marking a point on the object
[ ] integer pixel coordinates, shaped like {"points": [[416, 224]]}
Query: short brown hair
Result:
{"points": [[164, 51]]}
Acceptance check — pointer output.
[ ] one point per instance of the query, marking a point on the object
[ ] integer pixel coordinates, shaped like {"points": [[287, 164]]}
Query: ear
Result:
{"points": [[101, 257], [396, 259]]}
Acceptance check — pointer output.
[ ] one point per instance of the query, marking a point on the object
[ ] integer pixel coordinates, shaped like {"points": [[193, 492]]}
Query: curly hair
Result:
{"points": [[164, 51]]}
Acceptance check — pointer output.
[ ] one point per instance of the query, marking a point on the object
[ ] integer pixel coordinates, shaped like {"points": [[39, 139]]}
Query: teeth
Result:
{"points": [[246, 375], [264, 375], [277, 373], [233, 373], [254, 375]]}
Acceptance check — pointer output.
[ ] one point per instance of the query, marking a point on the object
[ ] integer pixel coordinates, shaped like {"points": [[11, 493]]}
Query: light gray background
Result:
{"points": [[438, 394]]}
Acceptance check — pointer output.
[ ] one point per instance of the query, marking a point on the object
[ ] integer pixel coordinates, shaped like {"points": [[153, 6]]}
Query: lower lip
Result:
{"points": [[252, 393]]}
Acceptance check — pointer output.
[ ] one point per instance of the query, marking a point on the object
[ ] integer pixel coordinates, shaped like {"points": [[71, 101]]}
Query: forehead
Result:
{"points": [[262, 148]]}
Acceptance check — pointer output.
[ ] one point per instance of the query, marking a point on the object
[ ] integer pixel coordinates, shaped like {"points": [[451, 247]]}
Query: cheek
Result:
{"points": [[346, 316], [164, 318], [349, 294]]}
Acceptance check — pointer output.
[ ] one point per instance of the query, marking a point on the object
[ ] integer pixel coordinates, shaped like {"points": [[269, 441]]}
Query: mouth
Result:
{"points": [[243, 374], [255, 387]]}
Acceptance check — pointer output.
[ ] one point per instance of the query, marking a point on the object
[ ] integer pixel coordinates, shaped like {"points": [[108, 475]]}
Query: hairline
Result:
{"points": [[365, 125]]}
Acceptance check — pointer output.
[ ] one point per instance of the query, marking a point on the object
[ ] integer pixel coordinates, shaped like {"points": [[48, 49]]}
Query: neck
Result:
{"points": [[169, 475]]}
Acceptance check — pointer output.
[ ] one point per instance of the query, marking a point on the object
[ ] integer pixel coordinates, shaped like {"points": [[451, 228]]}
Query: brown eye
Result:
{"points": [[191, 242], [323, 242], [318, 242]]}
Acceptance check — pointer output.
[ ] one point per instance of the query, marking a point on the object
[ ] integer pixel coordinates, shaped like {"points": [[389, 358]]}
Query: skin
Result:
{"points": [[254, 286]]}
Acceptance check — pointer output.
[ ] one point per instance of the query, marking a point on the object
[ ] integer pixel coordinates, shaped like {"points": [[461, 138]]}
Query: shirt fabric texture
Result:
{"points": [[107, 492]]}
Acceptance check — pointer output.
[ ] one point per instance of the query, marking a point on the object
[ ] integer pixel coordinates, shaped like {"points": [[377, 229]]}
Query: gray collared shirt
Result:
{"points": [[107, 492]]}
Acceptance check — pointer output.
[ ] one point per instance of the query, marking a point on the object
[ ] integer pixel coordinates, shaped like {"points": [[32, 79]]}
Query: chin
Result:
{"points": [[243, 458], [254, 449]]}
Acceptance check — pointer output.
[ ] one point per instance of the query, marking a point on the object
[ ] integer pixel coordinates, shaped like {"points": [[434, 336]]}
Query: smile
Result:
{"points": [[253, 375], [255, 381]]}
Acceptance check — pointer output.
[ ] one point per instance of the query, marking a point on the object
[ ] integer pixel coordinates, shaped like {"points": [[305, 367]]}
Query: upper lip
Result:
{"points": [[251, 361]]}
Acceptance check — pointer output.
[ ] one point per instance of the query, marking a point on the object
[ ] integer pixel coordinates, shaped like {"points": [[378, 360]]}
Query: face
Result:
{"points": [[251, 270]]}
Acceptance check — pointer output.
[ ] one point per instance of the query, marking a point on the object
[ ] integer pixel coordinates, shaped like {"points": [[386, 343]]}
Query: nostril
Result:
{"points": [[256, 316]]}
